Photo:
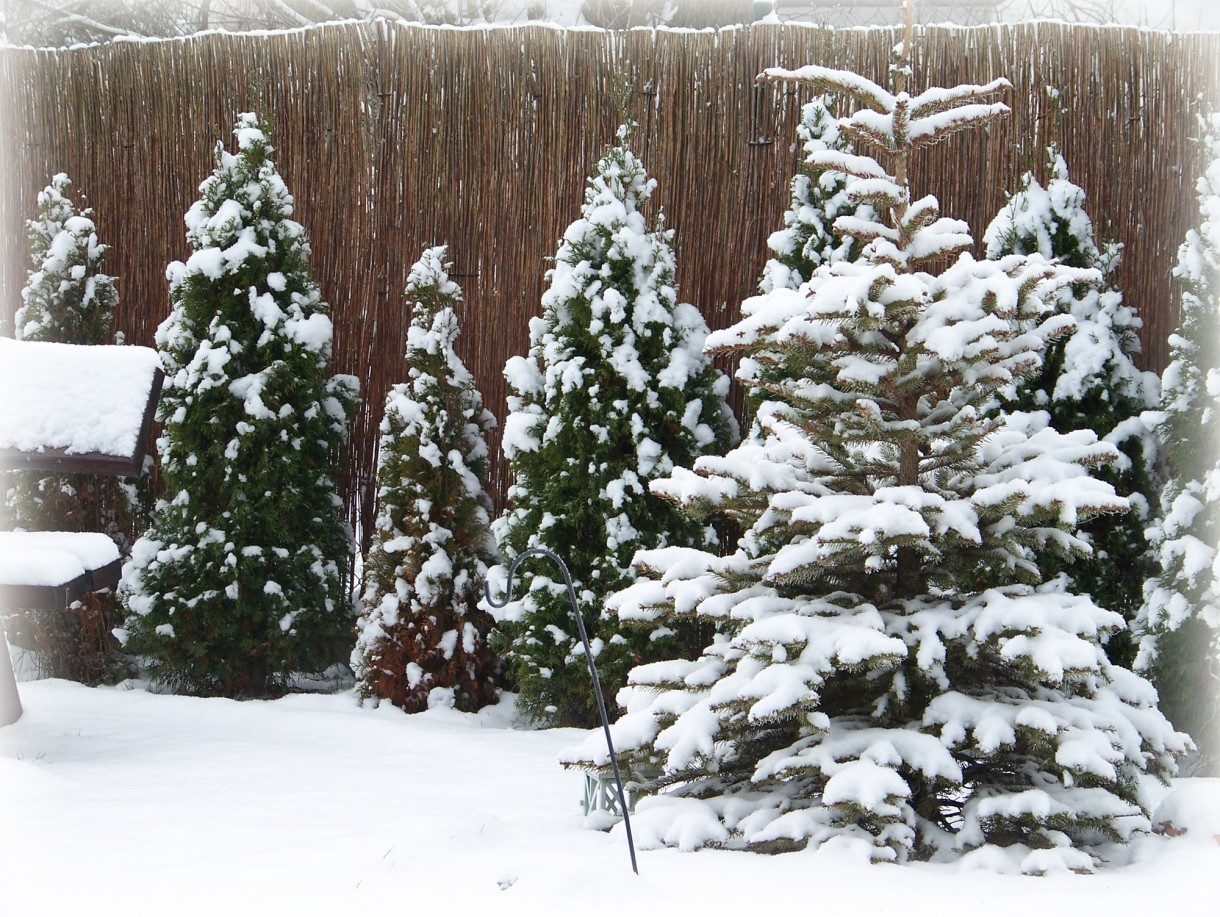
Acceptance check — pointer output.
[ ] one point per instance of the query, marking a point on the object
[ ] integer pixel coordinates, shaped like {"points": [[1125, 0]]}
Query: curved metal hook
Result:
{"points": [[597, 684]]}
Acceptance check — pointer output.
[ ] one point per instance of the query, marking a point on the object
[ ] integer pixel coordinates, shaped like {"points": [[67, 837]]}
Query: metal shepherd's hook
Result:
{"points": [[597, 685]]}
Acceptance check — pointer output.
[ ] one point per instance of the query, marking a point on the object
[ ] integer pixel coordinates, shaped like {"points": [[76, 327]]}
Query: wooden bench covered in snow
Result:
{"points": [[67, 408]]}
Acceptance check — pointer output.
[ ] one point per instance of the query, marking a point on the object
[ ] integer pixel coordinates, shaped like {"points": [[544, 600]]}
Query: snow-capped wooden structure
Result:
{"points": [[67, 408]]}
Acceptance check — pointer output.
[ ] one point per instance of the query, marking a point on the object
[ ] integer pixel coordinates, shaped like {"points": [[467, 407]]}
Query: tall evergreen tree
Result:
{"points": [[614, 392], [809, 237], [1181, 614], [242, 578], [69, 299], [1089, 381], [889, 668], [423, 639]]}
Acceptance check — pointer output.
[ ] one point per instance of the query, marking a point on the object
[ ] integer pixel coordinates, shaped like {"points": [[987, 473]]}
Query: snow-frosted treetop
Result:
{"points": [[905, 234], [610, 260], [428, 273], [54, 210], [1038, 215], [434, 325], [241, 210], [889, 119], [242, 219]]}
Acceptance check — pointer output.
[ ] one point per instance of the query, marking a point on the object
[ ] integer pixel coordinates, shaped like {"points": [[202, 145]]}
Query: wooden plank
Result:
{"points": [[59, 461], [50, 598]]}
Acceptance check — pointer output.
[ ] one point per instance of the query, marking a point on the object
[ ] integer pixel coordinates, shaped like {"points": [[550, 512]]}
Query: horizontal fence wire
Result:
{"points": [[395, 137]]}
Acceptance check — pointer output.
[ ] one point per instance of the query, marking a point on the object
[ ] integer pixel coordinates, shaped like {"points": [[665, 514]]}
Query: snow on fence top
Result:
{"points": [[78, 408]]}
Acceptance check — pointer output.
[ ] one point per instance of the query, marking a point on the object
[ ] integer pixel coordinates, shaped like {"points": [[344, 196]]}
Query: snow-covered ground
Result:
{"points": [[120, 801]]}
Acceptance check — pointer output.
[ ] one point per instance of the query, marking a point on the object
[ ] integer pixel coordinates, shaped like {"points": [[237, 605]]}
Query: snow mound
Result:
{"points": [[1192, 809]]}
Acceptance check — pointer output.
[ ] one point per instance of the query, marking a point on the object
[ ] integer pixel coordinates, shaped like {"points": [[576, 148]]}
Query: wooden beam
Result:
{"points": [[63, 594]]}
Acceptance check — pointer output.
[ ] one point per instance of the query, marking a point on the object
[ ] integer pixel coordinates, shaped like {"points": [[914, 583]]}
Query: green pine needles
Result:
{"points": [[809, 237], [614, 393], [423, 639], [242, 579], [1089, 381]]}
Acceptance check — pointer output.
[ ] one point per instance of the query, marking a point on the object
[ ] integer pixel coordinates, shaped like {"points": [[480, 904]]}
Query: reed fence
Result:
{"points": [[396, 137]]}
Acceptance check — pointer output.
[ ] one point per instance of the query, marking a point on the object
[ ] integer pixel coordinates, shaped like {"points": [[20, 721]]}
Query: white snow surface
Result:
{"points": [[52, 558], [71, 397], [313, 805]]}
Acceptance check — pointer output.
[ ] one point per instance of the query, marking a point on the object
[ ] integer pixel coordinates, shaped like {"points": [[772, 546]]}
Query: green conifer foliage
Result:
{"points": [[819, 197], [1089, 381], [69, 299], [614, 393], [423, 639], [890, 672], [242, 579], [1181, 614]]}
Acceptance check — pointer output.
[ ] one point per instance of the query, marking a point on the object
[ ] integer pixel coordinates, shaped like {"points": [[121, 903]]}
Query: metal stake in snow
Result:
{"points": [[597, 685]]}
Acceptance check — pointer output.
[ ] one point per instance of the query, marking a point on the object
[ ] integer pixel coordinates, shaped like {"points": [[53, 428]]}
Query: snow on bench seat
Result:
{"points": [[66, 407], [54, 569]]}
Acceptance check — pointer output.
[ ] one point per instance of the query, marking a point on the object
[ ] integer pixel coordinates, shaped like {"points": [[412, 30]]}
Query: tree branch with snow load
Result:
{"points": [[891, 669]]}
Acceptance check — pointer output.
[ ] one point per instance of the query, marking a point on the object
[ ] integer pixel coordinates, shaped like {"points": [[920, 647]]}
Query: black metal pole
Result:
{"points": [[597, 684]]}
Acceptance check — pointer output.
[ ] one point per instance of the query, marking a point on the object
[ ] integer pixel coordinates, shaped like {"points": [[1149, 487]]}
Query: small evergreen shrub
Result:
{"points": [[422, 638]]}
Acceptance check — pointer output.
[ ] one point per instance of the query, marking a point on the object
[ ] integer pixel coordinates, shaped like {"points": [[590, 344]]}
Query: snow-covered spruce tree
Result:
{"points": [[1089, 381], [68, 299], [1180, 621], [808, 238], [241, 579], [856, 691], [423, 640], [615, 391]]}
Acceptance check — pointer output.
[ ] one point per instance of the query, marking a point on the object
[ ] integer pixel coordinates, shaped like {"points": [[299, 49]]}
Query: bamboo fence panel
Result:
{"points": [[394, 138]]}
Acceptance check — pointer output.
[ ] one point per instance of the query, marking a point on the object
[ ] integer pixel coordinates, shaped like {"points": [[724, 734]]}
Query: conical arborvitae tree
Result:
{"points": [[819, 198], [615, 392], [1181, 615], [1089, 381], [68, 299], [423, 639], [855, 690], [242, 579]]}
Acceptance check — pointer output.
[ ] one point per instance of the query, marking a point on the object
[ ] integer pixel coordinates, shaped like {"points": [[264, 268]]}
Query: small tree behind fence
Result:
{"points": [[395, 137]]}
